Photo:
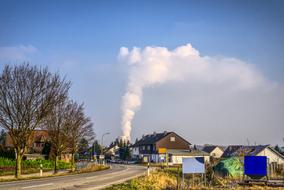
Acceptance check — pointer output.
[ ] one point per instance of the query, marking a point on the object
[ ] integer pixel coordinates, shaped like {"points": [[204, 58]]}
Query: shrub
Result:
{"points": [[7, 153]]}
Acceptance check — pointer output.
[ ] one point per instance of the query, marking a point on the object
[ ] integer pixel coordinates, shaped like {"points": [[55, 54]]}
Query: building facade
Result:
{"points": [[164, 147]]}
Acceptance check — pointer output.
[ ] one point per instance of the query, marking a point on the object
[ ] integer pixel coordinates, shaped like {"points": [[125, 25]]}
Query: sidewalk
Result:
{"points": [[33, 175]]}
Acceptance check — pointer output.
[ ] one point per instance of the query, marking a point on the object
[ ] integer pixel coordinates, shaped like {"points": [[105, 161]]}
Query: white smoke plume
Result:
{"points": [[158, 65]]}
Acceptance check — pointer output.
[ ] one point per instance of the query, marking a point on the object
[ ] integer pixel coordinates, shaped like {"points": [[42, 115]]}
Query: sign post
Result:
{"points": [[163, 151], [255, 166], [102, 157], [40, 171], [192, 165]]}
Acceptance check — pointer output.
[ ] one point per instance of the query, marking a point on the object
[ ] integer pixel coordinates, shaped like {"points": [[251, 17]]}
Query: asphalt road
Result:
{"points": [[86, 181]]}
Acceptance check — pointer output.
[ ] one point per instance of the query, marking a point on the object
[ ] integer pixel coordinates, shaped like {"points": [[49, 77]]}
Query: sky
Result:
{"points": [[236, 97]]}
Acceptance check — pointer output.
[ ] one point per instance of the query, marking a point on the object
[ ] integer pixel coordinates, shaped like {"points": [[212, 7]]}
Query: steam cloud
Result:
{"points": [[158, 65]]}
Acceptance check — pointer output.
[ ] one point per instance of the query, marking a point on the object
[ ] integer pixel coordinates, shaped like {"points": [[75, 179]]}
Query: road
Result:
{"points": [[86, 181]]}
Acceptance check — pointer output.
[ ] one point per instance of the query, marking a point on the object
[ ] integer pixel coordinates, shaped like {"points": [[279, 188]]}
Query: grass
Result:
{"points": [[93, 168], [89, 168], [7, 166], [158, 180], [170, 179]]}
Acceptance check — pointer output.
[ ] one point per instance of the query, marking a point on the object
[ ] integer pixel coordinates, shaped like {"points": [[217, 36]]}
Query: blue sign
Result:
{"points": [[255, 165]]}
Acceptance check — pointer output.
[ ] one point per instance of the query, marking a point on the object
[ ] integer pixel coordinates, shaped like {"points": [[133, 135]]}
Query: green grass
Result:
{"points": [[29, 166], [89, 168]]}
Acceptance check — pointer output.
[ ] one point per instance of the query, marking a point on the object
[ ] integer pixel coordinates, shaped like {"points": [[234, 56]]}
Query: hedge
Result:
{"points": [[8, 164]]}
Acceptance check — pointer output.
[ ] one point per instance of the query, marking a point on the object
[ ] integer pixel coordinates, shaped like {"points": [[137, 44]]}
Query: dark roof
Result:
{"points": [[240, 150], [209, 148], [153, 138]]}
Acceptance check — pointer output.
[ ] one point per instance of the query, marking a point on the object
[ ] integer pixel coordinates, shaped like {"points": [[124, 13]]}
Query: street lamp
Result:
{"points": [[102, 142], [102, 149]]}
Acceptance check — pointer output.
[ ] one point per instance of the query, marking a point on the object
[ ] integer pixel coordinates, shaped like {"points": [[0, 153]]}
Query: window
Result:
{"points": [[172, 139], [149, 147]]}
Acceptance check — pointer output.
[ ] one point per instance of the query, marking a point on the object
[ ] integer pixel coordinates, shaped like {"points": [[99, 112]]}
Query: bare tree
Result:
{"points": [[80, 128], [57, 126], [27, 96]]}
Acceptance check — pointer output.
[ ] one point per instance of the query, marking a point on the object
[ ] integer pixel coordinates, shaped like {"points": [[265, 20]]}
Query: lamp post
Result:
{"points": [[102, 144]]}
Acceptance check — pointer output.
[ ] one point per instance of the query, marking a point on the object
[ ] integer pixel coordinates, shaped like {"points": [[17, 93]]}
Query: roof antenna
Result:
{"points": [[248, 141]]}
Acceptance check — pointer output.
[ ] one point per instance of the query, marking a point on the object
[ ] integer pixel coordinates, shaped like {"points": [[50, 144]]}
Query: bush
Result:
{"points": [[231, 167], [7, 153]]}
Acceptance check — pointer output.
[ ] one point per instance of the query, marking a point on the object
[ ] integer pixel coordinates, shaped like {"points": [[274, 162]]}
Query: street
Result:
{"points": [[86, 181]]}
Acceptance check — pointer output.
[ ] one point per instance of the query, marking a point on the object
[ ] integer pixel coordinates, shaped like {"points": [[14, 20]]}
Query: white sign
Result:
{"points": [[102, 156], [193, 165]]}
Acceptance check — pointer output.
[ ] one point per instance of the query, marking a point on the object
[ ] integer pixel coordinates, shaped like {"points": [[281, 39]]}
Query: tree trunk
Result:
{"points": [[55, 164], [19, 156], [72, 162]]}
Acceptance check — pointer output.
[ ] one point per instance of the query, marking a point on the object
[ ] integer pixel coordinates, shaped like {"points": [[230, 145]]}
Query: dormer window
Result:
{"points": [[172, 139]]}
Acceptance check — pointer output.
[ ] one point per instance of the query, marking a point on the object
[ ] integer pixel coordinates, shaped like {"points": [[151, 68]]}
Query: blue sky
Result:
{"points": [[250, 30], [81, 39]]}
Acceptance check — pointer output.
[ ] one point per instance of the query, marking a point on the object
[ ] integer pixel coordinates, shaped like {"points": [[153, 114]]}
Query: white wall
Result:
{"points": [[272, 156], [217, 152], [135, 151], [178, 159]]}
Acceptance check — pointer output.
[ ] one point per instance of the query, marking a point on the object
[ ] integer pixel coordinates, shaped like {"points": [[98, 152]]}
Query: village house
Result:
{"points": [[261, 150], [164, 147], [112, 151], [36, 143], [213, 150]]}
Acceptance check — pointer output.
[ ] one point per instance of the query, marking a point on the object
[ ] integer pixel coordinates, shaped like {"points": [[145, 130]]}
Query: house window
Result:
{"points": [[172, 139], [149, 147]]}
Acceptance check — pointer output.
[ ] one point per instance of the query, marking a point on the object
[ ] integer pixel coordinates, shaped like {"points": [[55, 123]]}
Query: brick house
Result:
{"points": [[157, 147], [36, 144]]}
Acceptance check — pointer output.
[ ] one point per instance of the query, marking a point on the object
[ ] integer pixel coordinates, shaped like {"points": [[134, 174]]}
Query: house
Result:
{"points": [[176, 156], [36, 141], [112, 151], [163, 147], [260, 150], [213, 150]]}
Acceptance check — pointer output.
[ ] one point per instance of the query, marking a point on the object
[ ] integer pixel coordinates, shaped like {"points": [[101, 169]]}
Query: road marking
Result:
{"points": [[113, 173], [116, 182], [41, 185]]}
